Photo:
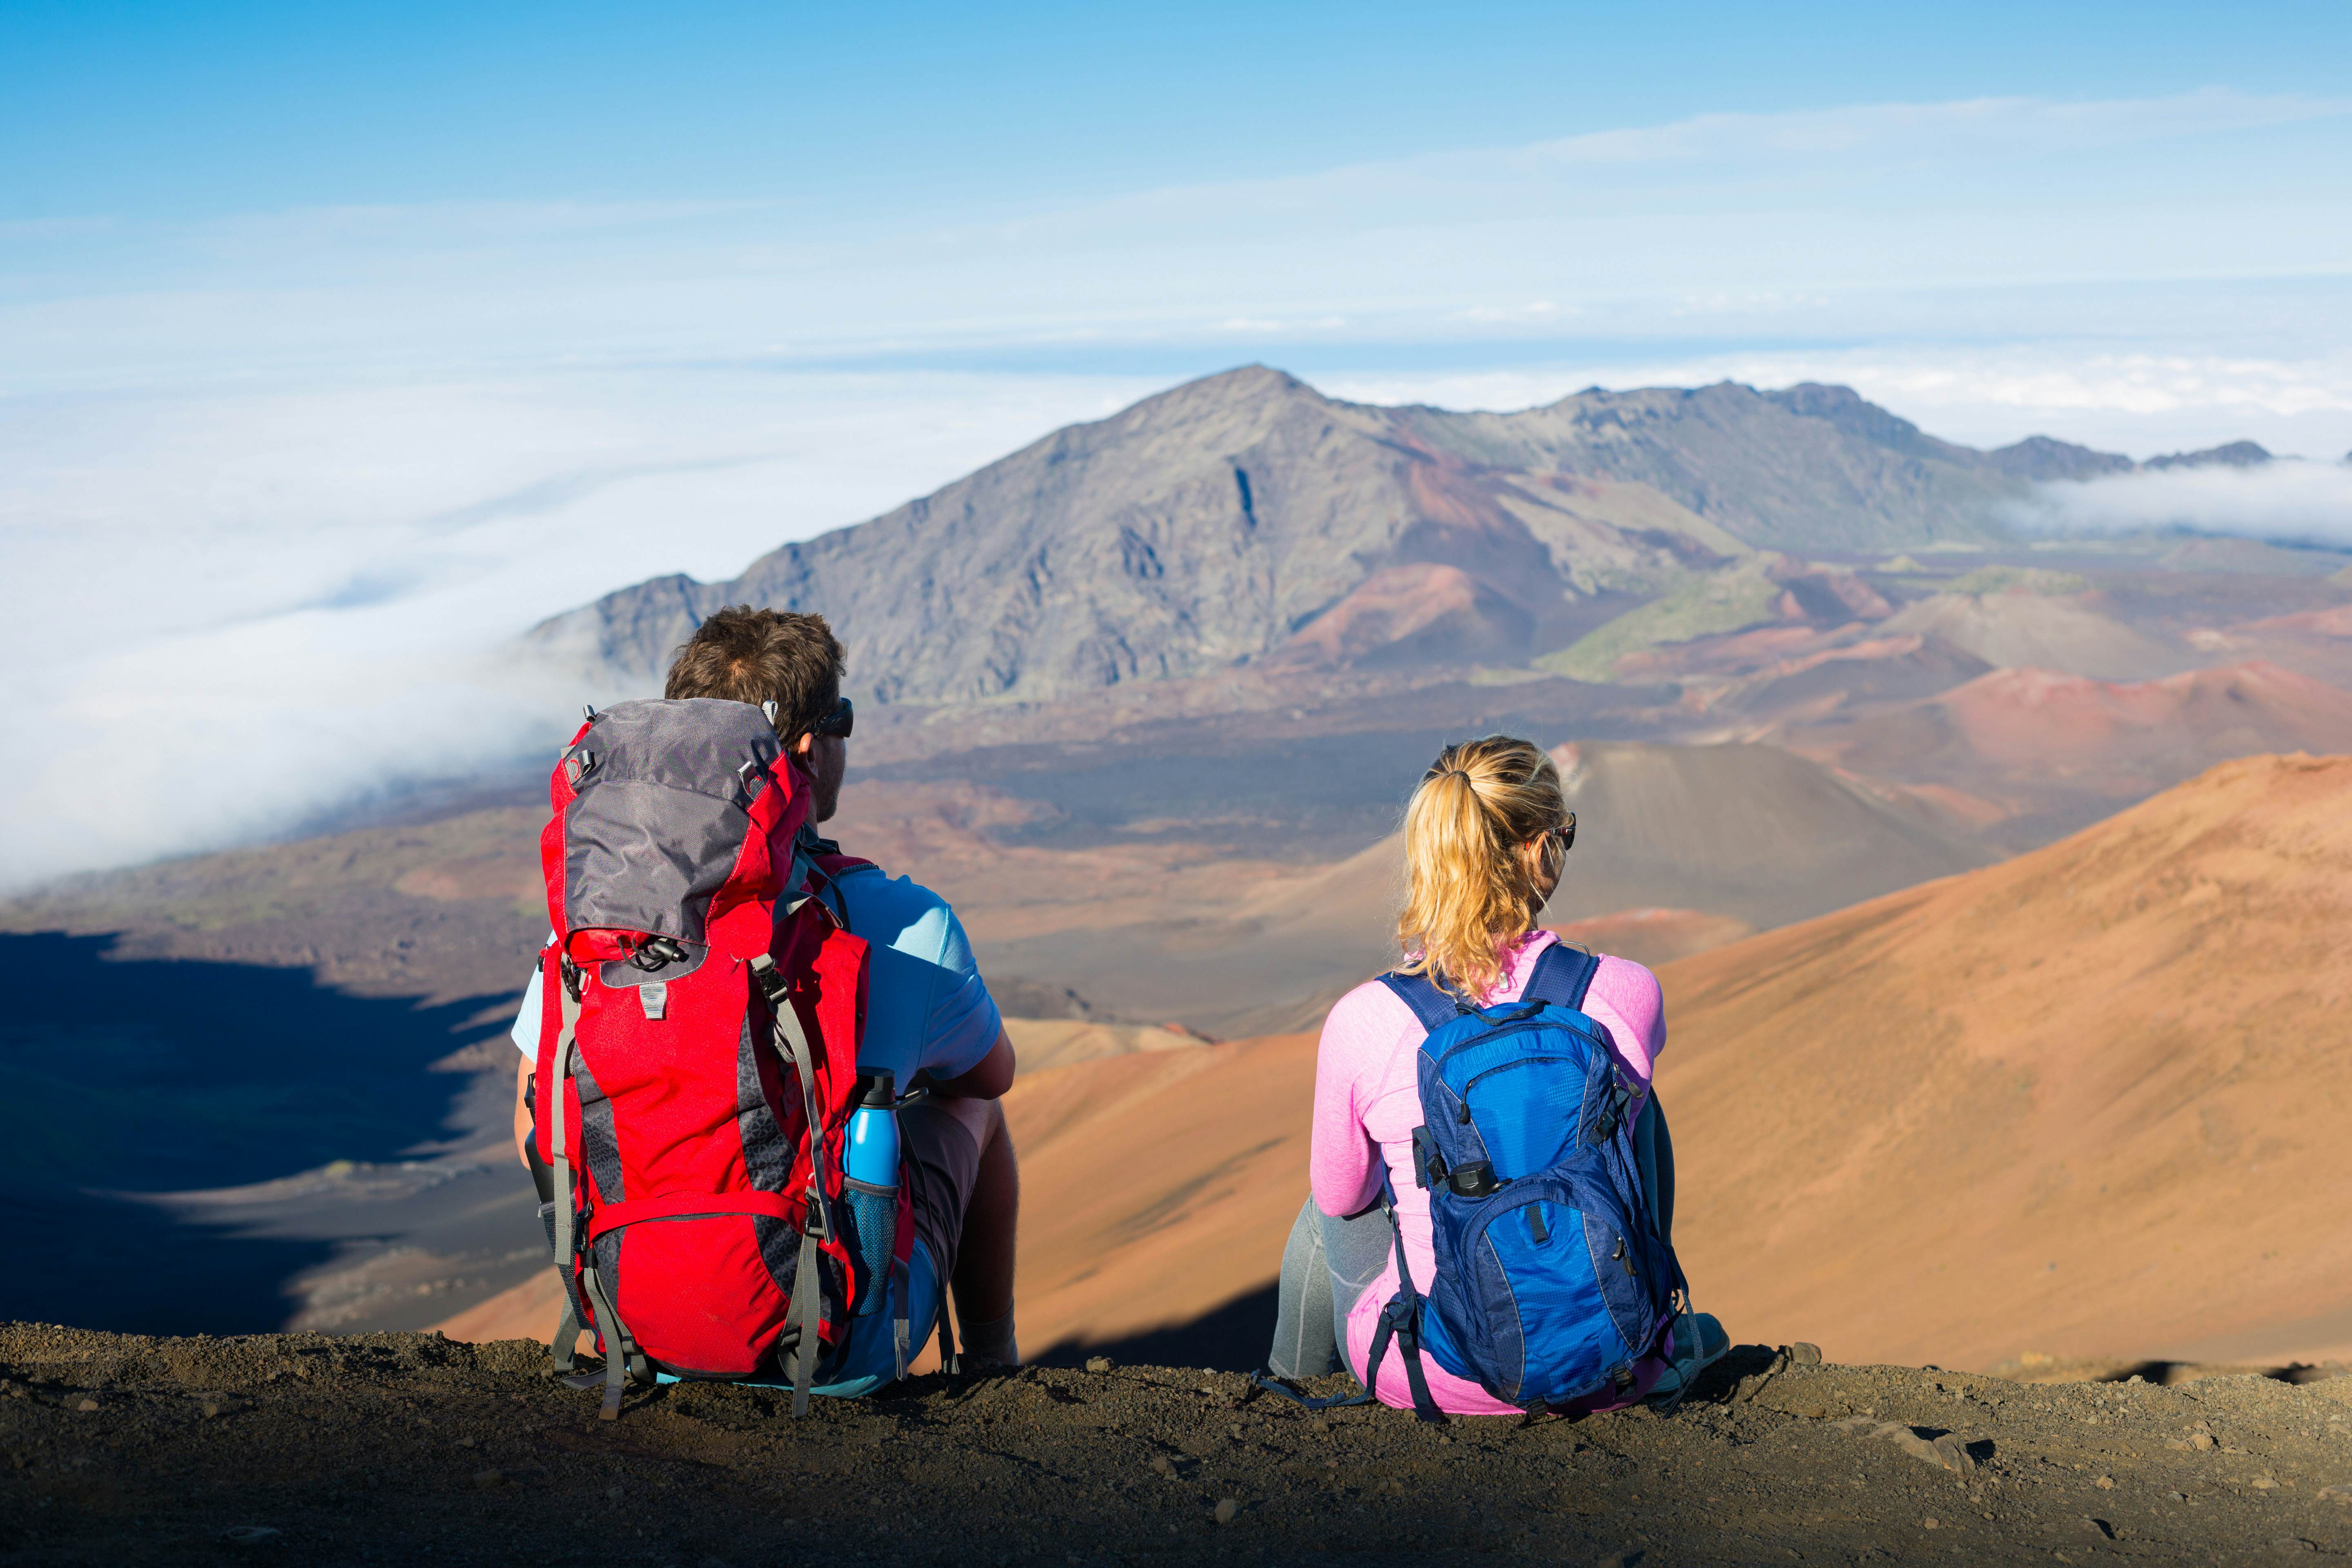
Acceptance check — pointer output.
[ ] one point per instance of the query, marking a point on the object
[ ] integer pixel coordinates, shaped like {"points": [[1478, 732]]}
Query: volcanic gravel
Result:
{"points": [[405, 1447]]}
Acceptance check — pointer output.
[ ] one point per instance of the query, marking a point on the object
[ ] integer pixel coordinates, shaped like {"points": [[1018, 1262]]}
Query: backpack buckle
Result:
{"points": [[656, 954], [770, 980], [1428, 1161], [1475, 1179]]}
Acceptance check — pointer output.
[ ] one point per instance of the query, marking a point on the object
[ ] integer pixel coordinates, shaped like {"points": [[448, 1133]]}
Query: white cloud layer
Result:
{"points": [[224, 613], [2283, 502]]}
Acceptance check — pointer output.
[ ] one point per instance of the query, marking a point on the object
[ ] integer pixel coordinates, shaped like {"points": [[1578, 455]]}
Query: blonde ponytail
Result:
{"points": [[1469, 888]]}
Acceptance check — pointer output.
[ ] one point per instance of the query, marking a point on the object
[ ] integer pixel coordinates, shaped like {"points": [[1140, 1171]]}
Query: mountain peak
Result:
{"points": [[1210, 524], [2234, 454]]}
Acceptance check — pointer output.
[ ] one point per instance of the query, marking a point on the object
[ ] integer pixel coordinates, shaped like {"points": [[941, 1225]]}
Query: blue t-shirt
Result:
{"points": [[926, 1007]]}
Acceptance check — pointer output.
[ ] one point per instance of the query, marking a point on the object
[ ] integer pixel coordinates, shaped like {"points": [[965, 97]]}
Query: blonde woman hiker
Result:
{"points": [[1488, 1231]]}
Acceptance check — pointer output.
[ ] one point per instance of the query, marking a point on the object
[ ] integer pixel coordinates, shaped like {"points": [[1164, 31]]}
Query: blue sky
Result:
{"points": [[1519, 192], [180, 111], [339, 343]]}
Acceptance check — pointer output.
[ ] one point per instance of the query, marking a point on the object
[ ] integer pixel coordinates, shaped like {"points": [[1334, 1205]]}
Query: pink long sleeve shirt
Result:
{"points": [[1367, 1102]]}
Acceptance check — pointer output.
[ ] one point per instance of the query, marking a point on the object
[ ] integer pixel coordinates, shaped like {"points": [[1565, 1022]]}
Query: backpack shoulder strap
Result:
{"points": [[821, 865], [1430, 1003], [1562, 975]]}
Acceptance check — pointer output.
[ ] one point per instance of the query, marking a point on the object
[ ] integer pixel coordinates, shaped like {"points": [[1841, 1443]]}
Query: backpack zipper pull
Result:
{"points": [[1621, 1256]]}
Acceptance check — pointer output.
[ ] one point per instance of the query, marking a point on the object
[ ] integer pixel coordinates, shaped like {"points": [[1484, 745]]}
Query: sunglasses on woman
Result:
{"points": [[1564, 835]]}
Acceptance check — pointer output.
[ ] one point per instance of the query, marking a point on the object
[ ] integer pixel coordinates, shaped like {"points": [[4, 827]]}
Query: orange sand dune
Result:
{"points": [[2036, 733], [2329, 622], [2035, 718], [1655, 936], [2087, 1101], [1156, 1188]]}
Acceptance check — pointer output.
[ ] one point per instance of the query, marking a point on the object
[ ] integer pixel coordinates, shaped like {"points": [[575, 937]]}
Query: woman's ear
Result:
{"points": [[801, 747]]}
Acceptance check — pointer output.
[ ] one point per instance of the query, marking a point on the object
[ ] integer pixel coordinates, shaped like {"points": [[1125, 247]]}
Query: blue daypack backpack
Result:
{"points": [[1552, 1280]]}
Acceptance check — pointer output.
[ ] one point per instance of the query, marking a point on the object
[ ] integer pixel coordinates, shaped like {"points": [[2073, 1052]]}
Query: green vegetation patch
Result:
{"points": [[2019, 580], [1727, 601]]}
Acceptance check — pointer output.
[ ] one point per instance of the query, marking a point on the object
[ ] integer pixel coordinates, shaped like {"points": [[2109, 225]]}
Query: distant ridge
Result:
{"points": [[1219, 522]]}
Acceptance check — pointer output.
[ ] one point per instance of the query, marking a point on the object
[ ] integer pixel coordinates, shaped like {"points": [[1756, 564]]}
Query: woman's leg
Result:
{"points": [[1327, 1265], [1303, 1343], [1355, 1251]]}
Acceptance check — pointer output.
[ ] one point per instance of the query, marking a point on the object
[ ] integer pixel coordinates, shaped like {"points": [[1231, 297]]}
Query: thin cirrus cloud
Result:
{"points": [[1860, 220], [1892, 132], [1732, 161]]}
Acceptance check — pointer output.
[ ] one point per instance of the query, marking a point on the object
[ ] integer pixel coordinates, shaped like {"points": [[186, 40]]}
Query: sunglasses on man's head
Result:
{"points": [[839, 722]]}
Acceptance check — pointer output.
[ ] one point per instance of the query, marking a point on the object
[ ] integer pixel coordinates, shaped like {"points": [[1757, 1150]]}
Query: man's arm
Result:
{"points": [[523, 1111], [989, 1079]]}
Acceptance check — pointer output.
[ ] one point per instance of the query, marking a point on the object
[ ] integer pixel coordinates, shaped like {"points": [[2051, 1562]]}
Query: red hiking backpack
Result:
{"points": [[698, 1057]]}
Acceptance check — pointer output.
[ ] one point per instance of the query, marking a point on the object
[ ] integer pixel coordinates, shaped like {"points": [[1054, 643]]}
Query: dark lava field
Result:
{"points": [[410, 1448]]}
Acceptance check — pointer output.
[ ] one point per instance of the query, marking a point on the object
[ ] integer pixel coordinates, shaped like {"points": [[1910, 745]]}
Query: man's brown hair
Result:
{"points": [[762, 656]]}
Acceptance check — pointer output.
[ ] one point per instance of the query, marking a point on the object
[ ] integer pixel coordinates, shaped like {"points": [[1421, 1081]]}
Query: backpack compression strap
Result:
{"points": [[1401, 1319], [801, 1318], [622, 1357], [562, 1238]]}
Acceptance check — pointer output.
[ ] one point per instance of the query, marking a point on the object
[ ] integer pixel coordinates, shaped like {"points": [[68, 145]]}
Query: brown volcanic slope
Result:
{"points": [[2088, 1101], [2040, 743], [2018, 627]]}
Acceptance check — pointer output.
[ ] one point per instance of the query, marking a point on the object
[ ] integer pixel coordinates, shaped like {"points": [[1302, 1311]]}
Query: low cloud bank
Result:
{"points": [[2286, 501], [229, 612]]}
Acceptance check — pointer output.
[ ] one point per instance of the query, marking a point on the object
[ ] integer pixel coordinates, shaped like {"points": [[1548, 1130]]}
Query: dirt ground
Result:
{"points": [[408, 1447]]}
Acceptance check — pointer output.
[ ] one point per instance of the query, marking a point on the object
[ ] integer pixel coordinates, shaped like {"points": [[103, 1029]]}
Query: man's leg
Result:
{"points": [[980, 1258]]}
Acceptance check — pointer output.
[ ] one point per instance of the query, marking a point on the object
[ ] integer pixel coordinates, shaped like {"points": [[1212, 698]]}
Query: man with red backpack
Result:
{"points": [[921, 1020]]}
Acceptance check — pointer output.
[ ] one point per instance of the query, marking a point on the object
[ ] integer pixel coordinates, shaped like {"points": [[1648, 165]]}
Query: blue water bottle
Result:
{"points": [[870, 1160]]}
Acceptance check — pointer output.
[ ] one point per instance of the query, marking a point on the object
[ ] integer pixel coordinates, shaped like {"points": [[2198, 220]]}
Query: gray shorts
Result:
{"points": [[942, 1166]]}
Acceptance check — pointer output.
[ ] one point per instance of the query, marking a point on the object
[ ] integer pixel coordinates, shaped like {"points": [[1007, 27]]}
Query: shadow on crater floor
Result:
{"points": [[127, 1076]]}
